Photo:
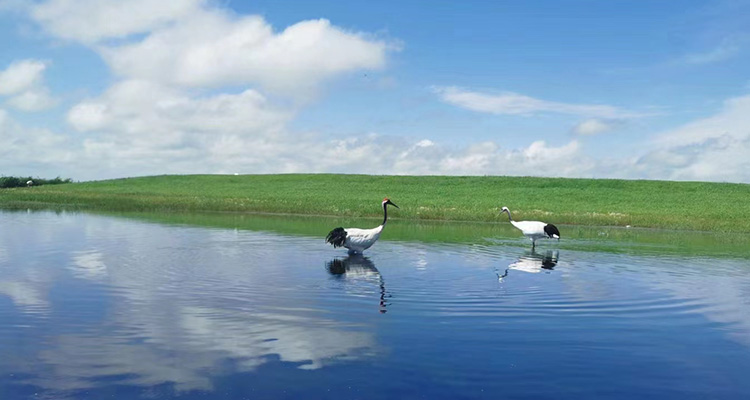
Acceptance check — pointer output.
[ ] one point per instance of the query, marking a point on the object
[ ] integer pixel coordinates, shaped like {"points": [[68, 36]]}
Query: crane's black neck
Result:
{"points": [[385, 213], [509, 217]]}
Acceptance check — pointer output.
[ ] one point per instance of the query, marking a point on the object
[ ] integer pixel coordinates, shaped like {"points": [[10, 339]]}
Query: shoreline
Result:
{"points": [[679, 206]]}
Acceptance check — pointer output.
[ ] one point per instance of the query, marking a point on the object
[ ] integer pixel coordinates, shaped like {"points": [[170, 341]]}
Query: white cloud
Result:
{"points": [[212, 49], [139, 128], [36, 99], [144, 126], [196, 44], [592, 127], [733, 120], [714, 148], [23, 146], [153, 118], [517, 104], [24, 81], [379, 154], [91, 21], [20, 76], [160, 116], [716, 159]]}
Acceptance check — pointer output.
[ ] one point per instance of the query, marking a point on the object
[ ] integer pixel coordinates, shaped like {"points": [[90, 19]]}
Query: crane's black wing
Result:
{"points": [[336, 237], [551, 231]]}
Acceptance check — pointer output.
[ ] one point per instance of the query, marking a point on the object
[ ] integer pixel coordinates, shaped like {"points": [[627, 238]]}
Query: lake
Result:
{"points": [[227, 306]]}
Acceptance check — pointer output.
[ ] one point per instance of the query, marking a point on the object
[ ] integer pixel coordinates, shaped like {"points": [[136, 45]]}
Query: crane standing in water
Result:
{"points": [[534, 230], [358, 240]]}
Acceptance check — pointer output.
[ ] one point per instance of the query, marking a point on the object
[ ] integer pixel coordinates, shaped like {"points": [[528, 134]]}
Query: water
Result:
{"points": [[96, 306]]}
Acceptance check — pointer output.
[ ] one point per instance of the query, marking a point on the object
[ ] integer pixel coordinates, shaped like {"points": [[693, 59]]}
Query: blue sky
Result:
{"points": [[96, 89]]}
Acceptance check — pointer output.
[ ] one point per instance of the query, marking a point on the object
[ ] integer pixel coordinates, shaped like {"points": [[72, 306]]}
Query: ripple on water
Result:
{"points": [[107, 304]]}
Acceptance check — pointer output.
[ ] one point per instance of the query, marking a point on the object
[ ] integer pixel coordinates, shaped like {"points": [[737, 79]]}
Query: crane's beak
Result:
{"points": [[391, 203]]}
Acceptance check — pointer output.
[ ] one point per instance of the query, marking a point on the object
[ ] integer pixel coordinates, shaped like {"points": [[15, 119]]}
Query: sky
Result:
{"points": [[98, 89]]}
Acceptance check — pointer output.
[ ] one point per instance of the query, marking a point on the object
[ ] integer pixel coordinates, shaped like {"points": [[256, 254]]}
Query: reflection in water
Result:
{"points": [[181, 349], [361, 268], [145, 305], [95, 307], [533, 262]]}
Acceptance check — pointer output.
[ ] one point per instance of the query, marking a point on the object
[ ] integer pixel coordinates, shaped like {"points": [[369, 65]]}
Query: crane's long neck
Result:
{"points": [[509, 217], [385, 214]]}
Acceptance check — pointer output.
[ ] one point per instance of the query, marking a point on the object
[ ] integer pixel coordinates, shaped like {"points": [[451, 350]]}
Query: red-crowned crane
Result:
{"points": [[534, 229], [358, 240]]}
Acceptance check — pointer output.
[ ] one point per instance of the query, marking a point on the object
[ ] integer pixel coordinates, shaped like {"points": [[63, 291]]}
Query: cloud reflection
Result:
{"points": [[89, 265], [178, 308], [194, 344]]}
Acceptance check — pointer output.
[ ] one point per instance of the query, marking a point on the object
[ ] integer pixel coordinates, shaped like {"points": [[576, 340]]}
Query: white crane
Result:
{"points": [[534, 230], [358, 240]]}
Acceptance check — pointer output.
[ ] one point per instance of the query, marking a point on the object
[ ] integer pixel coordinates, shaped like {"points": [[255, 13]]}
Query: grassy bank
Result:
{"points": [[656, 204], [640, 242]]}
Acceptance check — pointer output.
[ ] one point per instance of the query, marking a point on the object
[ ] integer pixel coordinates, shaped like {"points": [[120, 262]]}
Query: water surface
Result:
{"points": [[149, 306]]}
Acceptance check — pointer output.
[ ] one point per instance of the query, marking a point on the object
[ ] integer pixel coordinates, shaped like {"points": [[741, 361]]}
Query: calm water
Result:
{"points": [[109, 307]]}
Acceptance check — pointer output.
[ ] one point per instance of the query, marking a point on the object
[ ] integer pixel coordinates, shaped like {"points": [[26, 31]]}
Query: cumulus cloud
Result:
{"points": [[712, 148], [517, 104], [23, 81], [139, 128], [383, 154], [91, 21], [151, 127], [194, 43], [733, 119], [36, 99], [716, 159], [147, 126], [20, 76], [213, 50], [200, 89], [23, 145]]}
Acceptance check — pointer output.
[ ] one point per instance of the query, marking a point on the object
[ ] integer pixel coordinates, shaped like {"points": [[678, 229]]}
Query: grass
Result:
{"points": [[655, 204], [642, 242]]}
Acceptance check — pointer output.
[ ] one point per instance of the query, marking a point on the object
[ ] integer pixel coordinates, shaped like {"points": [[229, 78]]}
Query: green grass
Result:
{"points": [[655, 204], [641, 242]]}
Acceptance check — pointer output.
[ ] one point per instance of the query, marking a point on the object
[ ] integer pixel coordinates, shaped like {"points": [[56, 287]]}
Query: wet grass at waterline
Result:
{"points": [[635, 241], [594, 202], [481, 236]]}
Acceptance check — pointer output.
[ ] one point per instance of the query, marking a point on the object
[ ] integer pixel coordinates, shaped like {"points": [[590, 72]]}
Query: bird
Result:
{"points": [[358, 240], [534, 230]]}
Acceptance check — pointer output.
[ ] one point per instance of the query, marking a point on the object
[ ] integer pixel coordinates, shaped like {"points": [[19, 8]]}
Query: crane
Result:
{"points": [[358, 240]]}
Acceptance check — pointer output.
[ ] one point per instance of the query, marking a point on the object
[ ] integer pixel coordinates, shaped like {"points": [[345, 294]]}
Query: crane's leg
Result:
{"points": [[533, 244]]}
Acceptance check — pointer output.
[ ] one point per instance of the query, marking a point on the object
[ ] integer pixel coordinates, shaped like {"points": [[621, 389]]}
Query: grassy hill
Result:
{"points": [[658, 204]]}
